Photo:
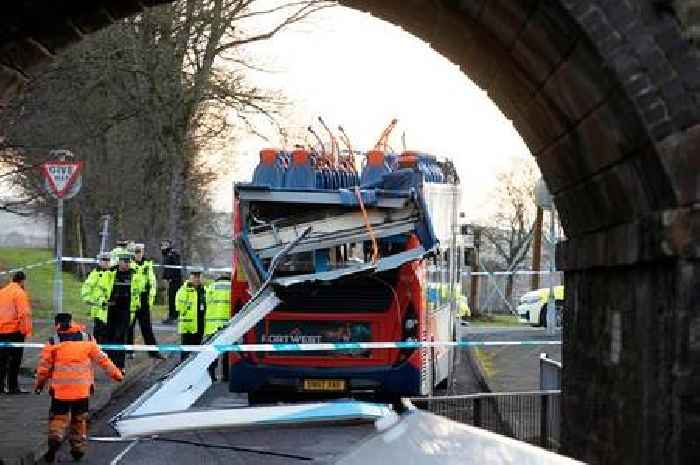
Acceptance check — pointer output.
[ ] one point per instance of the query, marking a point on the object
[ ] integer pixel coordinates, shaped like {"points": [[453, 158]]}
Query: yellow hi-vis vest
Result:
{"points": [[91, 293], [145, 269], [218, 306], [137, 286], [187, 304]]}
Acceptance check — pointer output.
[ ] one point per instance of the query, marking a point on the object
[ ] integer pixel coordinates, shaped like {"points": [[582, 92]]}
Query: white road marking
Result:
{"points": [[121, 455]]}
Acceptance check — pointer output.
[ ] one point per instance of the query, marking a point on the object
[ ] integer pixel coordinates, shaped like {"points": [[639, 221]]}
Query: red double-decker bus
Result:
{"points": [[379, 265]]}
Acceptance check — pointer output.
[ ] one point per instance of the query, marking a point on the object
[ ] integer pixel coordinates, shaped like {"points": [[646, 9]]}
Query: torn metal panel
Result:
{"points": [[329, 223], [420, 438], [383, 264], [354, 235], [184, 385], [250, 417], [393, 199], [181, 389]]}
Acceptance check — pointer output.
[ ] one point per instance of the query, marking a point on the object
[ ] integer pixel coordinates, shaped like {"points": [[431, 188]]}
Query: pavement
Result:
{"points": [[23, 418], [511, 368]]}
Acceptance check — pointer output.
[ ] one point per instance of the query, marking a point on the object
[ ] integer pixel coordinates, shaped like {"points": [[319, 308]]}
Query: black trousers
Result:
{"points": [[10, 360], [118, 322], [189, 339], [143, 318], [173, 287], [99, 330]]}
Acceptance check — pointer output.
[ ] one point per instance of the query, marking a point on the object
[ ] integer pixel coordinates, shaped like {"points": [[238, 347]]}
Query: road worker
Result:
{"points": [[122, 288], [92, 294], [171, 258], [15, 326], [66, 365], [191, 308], [218, 313], [121, 248], [145, 268]]}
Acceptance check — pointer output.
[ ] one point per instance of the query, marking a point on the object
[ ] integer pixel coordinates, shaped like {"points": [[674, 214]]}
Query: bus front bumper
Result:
{"points": [[403, 379]]}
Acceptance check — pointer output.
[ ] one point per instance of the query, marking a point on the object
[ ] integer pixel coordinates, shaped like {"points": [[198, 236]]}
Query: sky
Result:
{"points": [[361, 72]]}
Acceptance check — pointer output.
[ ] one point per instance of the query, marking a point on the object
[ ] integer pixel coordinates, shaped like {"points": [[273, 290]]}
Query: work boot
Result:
{"points": [[77, 455], [50, 455]]}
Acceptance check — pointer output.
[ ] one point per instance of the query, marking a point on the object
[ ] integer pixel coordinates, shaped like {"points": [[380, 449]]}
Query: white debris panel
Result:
{"points": [[250, 417]]}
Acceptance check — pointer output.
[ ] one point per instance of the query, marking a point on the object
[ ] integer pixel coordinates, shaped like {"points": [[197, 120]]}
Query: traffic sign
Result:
{"points": [[61, 177]]}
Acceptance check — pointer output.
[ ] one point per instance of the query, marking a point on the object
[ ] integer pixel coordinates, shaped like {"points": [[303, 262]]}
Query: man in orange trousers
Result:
{"points": [[66, 365]]}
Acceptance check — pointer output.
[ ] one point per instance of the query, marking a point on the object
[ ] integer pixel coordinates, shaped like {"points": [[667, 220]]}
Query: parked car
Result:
{"points": [[532, 308]]}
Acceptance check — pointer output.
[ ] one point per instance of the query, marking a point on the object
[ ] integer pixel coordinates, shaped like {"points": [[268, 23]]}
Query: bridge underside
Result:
{"points": [[606, 95]]}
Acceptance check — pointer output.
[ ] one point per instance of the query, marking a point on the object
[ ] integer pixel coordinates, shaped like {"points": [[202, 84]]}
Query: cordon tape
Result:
{"points": [[294, 347]]}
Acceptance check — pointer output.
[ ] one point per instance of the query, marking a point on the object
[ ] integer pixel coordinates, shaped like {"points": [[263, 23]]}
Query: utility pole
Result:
{"points": [[537, 249], [474, 293]]}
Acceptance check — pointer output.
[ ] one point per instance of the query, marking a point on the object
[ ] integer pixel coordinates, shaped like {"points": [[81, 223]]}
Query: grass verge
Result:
{"points": [[40, 281], [494, 320]]}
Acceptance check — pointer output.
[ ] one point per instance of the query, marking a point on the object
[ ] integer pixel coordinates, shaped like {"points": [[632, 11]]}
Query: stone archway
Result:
{"points": [[606, 94]]}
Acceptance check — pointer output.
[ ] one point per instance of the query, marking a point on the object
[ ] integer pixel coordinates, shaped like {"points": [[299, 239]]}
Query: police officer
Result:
{"points": [[121, 247], [92, 294], [173, 276], [122, 289], [145, 268], [191, 302], [218, 313], [66, 364]]}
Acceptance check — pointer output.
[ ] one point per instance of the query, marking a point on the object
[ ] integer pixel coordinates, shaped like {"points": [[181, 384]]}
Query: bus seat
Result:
{"points": [[300, 175]]}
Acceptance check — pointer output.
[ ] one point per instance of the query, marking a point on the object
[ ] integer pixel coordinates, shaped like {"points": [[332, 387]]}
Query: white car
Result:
{"points": [[532, 308]]}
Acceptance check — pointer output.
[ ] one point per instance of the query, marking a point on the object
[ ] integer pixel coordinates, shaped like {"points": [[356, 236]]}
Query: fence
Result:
{"points": [[494, 288], [550, 374], [533, 417]]}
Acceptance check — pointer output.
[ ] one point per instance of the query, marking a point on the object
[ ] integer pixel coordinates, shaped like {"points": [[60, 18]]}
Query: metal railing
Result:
{"points": [[550, 373], [532, 417]]}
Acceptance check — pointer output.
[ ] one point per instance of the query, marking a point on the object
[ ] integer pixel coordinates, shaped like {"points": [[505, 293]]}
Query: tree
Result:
{"points": [[511, 227], [143, 102]]}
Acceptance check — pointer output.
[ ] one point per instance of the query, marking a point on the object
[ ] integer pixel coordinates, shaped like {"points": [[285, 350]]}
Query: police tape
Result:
{"points": [[156, 265], [28, 267], [285, 347]]}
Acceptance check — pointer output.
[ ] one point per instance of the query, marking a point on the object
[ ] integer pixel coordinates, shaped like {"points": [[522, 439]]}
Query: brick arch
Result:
{"points": [[606, 94]]}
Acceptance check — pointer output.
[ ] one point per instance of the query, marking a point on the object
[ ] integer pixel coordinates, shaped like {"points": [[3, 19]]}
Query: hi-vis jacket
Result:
{"points": [[15, 311], [148, 274], [66, 364], [187, 304], [218, 295], [138, 284], [91, 293]]}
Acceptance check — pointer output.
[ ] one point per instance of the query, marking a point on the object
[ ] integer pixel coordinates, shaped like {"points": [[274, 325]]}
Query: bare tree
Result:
{"points": [[143, 102], [511, 227]]}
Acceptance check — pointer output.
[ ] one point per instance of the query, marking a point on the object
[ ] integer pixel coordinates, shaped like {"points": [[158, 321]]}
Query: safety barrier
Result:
{"points": [[344, 346], [527, 416]]}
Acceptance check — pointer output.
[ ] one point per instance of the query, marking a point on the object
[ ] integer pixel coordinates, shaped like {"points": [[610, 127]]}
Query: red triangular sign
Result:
{"points": [[61, 175]]}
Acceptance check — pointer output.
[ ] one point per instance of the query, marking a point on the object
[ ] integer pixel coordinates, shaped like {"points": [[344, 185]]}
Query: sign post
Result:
{"points": [[544, 200], [63, 180]]}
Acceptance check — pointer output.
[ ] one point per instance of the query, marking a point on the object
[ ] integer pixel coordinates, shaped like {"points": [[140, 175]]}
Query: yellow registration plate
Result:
{"points": [[324, 384]]}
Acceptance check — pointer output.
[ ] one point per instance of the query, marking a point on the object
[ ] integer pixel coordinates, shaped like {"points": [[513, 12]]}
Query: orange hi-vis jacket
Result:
{"points": [[15, 312], [67, 364]]}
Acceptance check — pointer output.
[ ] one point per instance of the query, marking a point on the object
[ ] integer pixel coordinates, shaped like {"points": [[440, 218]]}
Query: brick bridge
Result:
{"points": [[606, 94]]}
